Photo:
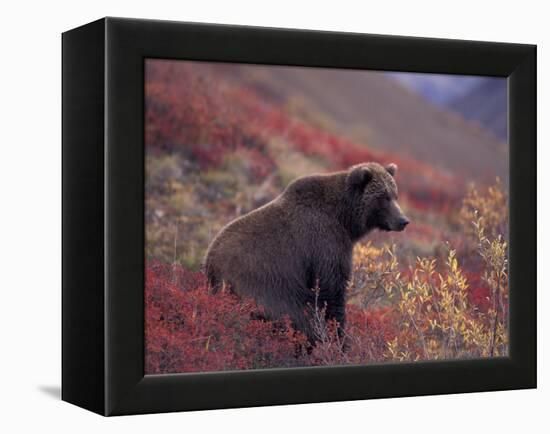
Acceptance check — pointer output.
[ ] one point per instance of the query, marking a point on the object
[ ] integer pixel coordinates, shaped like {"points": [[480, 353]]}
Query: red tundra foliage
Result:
{"points": [[190, 329], [478, 293]]}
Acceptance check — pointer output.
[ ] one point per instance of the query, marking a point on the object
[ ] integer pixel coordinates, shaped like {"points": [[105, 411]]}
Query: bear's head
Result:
{"points": [[373, 194]]}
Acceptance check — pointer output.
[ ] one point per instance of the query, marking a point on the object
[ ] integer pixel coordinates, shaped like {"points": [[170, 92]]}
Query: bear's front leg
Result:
{"points": [[333, 282], [336, 310]]}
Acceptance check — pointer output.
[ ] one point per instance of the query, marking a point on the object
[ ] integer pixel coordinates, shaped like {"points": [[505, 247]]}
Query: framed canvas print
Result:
{"points": [[257, 216]]}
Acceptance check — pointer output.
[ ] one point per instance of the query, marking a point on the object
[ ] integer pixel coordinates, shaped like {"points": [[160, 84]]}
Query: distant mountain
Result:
{"points": [[486, 103], [440, 89], [479, 99]]}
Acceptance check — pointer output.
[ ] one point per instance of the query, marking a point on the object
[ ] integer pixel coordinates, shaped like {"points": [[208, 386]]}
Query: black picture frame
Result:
{"points": [[103, 218]]}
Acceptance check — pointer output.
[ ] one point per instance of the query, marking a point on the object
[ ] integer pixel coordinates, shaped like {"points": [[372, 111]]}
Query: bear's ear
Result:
{"points": [[360, 177], [391, 169]]}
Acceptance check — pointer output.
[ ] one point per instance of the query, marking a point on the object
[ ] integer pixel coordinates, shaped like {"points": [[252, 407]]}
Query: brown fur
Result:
{"points": [[278, 252]]}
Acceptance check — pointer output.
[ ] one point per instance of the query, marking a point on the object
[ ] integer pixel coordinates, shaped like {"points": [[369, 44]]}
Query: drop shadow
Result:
{"points": [[52, 391]]}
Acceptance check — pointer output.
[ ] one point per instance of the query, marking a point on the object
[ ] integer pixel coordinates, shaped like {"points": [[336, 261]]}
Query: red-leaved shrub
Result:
{"points": [[190, 329]]}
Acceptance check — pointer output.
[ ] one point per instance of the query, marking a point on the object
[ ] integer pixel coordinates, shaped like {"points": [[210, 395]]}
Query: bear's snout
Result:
{"points": [[402, 223]]}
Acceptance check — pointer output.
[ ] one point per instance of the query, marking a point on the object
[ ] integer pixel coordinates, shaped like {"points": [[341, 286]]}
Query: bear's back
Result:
{"points": [[278, 238]]}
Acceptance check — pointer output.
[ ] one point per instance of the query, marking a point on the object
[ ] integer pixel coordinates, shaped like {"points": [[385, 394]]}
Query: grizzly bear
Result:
{"points": [[303, 239]]}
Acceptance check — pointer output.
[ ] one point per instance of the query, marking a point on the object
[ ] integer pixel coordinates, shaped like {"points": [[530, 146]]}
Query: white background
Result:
{"points": [[30, 213]]}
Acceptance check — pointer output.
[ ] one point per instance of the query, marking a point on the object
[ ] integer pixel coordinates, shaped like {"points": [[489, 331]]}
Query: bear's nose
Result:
{"points": [[403, 222]]}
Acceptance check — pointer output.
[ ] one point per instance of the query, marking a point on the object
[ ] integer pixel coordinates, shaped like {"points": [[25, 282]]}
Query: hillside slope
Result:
{"points": [[371, 108]]}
